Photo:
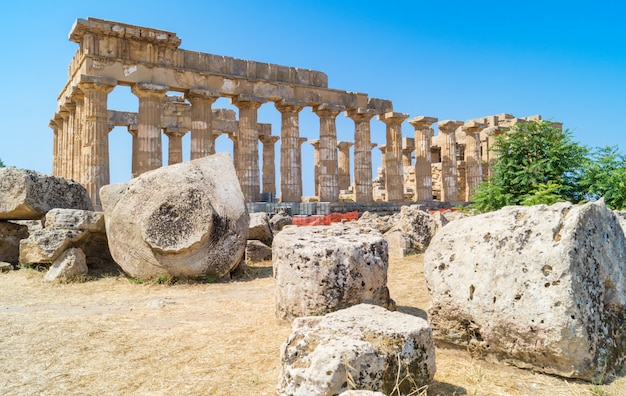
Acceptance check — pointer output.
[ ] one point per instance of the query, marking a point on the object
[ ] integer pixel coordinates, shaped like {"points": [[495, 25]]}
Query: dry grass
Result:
{"points": [[110, 336]]}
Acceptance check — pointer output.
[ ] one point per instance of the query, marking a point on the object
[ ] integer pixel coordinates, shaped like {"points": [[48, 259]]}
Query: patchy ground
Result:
{"points": [[113, 336]]}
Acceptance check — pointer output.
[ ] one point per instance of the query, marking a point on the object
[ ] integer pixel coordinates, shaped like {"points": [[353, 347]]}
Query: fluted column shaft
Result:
{"points": [[149, 146], [329, 168], [54, 124], [290, 157], [344, 164], [362, 154], [64, 138], [70, 150], [269, 167], [423, 160], [95, 139], [202, 138], [175, 146], [491, 156], [394, 176], [248, 147], [449, 171], [316, 165], [473, 166], [78, 97]]}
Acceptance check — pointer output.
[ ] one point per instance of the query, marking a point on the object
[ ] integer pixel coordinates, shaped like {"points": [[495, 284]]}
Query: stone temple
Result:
{"points": [[446, 167]]}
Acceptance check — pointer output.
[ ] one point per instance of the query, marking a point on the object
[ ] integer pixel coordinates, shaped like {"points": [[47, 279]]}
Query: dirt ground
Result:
{"points": [[110, 336]]}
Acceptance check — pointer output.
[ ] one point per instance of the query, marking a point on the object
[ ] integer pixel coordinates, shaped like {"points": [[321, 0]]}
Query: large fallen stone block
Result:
{"points": [[259, 228], [541, 287], [187, 220], [411, 232], [26, 194], [321, 269], [10, 236], [364, 345]]}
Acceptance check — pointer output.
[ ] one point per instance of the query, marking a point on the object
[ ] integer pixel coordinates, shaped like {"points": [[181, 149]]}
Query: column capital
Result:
{"points": [[149, 90], [360, 114], [472, 126], [382, 148], [76, 94], [176, 132], [98, 84], [422, 122], [269, 139], [328, 110], [247, 101], [315, 143], [344, 145], [302, 140], [289, 106], [492, 130], [392, 117], [201, 94], [63, 113], [449, 126], [53, 124]]}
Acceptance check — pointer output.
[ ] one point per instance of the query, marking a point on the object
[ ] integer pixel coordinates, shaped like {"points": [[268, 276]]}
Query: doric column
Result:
{"points": [[344, 164], [362, 153], [132, 129], [63, 141], [408, 145], [449, 171], [202, 139], [490, 155], [423, 160], [290, 157], [95, 139], [269, 167], [383, 155], [329, 169], [473, 167], [175, 145], [248, 146], [79, 98], [56, 130], [234, 137], [69, 149], [394, 177], [316, 165], [149, 151]]}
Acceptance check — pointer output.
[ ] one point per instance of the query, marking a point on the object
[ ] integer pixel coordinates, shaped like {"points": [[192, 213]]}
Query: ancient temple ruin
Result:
{"points": [[151, 64]]}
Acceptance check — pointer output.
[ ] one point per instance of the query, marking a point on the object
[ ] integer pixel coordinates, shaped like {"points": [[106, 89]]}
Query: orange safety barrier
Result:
{"points": [[325, 219]]}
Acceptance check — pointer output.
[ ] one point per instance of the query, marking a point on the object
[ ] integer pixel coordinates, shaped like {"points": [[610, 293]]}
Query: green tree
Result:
{"points": [[537, 163], [605, 176], [2, 164]]}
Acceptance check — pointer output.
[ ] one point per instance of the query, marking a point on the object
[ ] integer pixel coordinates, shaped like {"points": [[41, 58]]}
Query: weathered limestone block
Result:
{"points": [[71, 219], [187, 220], [444, 218], [279, 220], [366, 343], [411, 232], [64, 229], [45, 246], [10, 236], [541, 287], [259, 228], [380, 223], [323, 269], [257, 251], [70, 265], [26, 194]]}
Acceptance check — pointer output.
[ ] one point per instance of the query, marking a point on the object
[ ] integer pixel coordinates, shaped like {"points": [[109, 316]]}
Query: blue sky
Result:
{"points": [[452, 60]]}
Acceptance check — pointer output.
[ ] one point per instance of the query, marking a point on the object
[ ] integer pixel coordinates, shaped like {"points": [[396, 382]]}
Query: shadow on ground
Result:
{"points": [[412, 311]]}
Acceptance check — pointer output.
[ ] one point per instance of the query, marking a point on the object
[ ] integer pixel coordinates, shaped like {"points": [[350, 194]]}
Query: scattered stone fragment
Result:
{"points": [[365, 345]]}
